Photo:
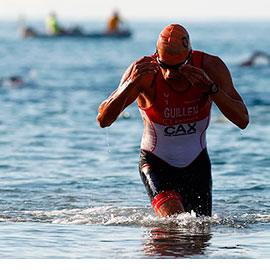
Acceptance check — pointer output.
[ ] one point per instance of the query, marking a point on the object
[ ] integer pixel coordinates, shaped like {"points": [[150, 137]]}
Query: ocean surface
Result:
{"points": [[70, 189]]}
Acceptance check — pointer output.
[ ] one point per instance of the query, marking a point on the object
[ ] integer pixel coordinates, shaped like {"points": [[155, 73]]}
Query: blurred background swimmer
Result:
{"points": [[258, 57], [12, 81]]}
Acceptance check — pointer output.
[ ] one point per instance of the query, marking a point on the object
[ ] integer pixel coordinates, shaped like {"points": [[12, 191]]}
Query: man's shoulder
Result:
{"points": [[216, 69], [212, 62], [210, 59]]}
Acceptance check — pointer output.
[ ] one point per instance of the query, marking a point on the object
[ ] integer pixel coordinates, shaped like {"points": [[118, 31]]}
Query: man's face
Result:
{"points": [[170, 68]]}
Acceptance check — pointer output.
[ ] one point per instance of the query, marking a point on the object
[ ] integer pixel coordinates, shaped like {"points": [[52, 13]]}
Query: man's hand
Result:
{"points": [[196, 76], [142, 67]]}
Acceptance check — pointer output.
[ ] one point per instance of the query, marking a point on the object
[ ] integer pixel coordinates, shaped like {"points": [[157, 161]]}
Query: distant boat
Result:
{"points": [[120, 34], [27, 32], [75, 32]]}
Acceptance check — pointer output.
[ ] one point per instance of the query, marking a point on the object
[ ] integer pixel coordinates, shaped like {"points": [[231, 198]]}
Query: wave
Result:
{"points": [[134, 216]]}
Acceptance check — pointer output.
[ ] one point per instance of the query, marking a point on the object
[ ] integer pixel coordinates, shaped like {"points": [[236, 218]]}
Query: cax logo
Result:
{"points": [[180, 130]]}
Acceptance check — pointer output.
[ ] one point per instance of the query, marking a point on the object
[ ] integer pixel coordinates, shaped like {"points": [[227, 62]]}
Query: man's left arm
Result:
{"points": [[227, 98]]}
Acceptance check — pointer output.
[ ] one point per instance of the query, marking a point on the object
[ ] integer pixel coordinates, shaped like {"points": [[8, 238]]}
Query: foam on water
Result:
{"points": [[135, 216]]}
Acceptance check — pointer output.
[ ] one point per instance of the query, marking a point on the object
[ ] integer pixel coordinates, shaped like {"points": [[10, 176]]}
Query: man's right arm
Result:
{"points": [[131, 85], [111, 108]]}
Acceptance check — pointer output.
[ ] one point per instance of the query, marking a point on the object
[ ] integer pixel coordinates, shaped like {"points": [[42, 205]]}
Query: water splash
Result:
{"points": [[108, 140], [134, 216]]}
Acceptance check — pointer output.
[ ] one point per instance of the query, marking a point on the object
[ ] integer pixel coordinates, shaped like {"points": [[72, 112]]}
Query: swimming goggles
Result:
{"points": [[174, 67]]}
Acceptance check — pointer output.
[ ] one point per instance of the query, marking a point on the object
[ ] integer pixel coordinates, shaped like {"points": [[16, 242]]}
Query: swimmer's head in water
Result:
{"points": [[173, 45]]}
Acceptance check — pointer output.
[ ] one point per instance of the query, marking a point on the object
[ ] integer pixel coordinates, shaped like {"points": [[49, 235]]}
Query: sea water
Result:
{"points": [[70, 189]]}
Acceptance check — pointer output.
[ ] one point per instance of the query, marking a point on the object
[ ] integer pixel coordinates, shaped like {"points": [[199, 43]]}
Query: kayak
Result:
{"points": [[94, 35]]}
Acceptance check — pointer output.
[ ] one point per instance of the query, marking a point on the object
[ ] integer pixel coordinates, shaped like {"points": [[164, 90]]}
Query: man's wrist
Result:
{"points": [[213, 89]]}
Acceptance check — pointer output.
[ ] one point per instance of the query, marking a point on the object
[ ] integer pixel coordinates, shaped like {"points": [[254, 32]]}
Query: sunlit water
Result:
{"points": [[70, 189]]}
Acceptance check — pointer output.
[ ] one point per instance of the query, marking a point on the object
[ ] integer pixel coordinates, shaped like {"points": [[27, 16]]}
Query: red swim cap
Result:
{"points": [[173, 43]]}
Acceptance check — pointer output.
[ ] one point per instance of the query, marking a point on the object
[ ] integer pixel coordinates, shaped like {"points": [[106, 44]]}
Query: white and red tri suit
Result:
{"points": [[176, 122]]}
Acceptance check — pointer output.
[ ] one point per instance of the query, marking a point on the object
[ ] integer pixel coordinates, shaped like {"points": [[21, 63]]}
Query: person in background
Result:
{"points": [[255, 56], [114, 22], [25, 31], [175, 89], [12, 81], [52, 26]]}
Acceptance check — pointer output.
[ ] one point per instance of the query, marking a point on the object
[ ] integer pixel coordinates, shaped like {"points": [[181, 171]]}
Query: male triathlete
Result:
{"points": [[174, 89]]}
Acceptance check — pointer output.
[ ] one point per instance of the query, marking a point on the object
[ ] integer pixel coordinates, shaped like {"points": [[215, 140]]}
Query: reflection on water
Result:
{"points": [[172, 243]]}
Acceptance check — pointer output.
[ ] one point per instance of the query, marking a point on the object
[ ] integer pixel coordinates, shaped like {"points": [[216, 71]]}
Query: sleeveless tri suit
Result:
{"points": [[174, 162]]}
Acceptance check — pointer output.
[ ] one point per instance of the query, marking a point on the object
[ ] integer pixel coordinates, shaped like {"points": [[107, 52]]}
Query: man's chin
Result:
{"points": [[176, 78]]}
